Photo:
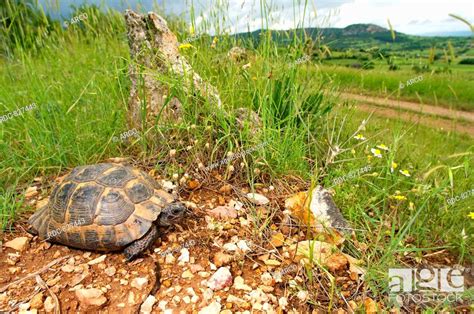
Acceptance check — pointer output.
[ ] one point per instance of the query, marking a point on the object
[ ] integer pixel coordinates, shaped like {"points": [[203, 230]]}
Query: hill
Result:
{"points": [[362, 36]]}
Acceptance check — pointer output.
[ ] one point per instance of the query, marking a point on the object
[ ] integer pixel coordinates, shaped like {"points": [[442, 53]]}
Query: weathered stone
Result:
{"points": [[154, 52]]}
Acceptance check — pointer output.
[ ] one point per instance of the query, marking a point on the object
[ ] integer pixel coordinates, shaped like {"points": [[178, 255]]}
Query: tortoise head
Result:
{"points": [[172, 214]]}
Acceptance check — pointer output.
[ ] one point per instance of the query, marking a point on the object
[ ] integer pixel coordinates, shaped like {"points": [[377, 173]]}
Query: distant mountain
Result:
{"points": [[361, 36]]}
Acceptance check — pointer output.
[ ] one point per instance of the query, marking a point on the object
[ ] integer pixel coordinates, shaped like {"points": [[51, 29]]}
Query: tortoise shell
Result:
{"points": [[101, 207]]}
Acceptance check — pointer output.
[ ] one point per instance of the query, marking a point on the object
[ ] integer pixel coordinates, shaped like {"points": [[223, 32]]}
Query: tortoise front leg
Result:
{"points": [[137, 247]]}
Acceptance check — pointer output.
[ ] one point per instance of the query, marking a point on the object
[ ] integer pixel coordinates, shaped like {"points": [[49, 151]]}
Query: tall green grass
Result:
{"points": [[79, 81]]}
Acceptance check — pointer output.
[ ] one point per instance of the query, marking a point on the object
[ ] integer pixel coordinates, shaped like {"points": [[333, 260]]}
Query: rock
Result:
{"points": [[239, 284], [322, 207], [230, 247], [213, 308], [49, 304], [283, 302], [110, 271], [149, 35], [139, 282], [223, 212], [170, 259], [302, 295], [31, 192], [243, 246], [167, 185], [98, 260], [267, 279], [272, 262], [37, 301], [194, 268], [236, 205], [238, 301], [257, 199], [91, 297], [187, 274], [220, 279], [221, 259], [184, 257], [131, 298], [67, 268], [19, 244], [147, 306]]}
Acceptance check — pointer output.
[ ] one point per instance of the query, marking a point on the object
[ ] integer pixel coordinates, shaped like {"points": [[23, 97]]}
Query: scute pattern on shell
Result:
{"points": [[101, 207]]}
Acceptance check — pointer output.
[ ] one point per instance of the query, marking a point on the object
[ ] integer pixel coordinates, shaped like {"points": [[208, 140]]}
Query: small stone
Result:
{"points": [[238, 301], [204, 274], [67, 268], [196, 268], [283, 302], [257, 199], [187, 274], [87, 254], [93, 297], [131, 298], [223, 212], [221, 259], [230, 247], [170, 259], [184, 257], [139, 283], [302, 295], [49, 304], [220, 279], [267, 279], [98, 260], [186, 299], [123, 282], [239, 284], [176, 299], [147, 306], [19, 244], [213, 308], [37, 301], [31, 192], [272, 262], [110, 271], [243, 246]]}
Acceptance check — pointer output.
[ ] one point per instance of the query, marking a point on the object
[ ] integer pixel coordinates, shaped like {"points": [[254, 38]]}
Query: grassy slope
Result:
{"points": [[84, 83]]}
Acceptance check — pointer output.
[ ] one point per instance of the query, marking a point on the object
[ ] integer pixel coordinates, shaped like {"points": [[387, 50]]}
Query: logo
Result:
{"points": [[424, 285]]}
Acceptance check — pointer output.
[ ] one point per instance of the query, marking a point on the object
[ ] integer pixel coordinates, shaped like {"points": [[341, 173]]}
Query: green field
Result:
{"points": [[78, 79]]}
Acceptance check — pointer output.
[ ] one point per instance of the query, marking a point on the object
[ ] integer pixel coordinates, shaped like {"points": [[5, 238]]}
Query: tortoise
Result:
{"points": [[106, 207]]}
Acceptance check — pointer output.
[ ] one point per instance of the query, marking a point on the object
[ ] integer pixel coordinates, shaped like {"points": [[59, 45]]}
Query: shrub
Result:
{"points": [[467, 61]]}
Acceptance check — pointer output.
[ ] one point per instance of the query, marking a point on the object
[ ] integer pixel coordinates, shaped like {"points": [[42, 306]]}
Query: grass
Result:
{"points": [[452, 90], [79, 82]]}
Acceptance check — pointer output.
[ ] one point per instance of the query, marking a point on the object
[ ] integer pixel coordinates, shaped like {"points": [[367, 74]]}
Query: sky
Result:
{"points": [[406, 16]]}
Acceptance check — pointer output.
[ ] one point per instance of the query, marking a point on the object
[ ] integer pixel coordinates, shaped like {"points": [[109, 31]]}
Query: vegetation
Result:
{"points": [[77, 76]]}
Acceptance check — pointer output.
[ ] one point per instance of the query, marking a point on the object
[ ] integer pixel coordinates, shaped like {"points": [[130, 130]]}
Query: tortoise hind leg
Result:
{"points": [[137, 247]]}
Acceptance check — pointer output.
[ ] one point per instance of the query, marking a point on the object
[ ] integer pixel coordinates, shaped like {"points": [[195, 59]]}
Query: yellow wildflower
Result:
{"points": [[215, 40], [383, 147], [393, 167], [405, 173], [191, 29], [376, 152], [471, 215], [353, 151], [185, 46], [254, 78], [369, 158], [411, 205], [359, 137], [399, 197]]}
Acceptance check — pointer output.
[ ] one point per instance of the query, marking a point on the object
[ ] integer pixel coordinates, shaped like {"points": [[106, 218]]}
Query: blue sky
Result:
{"points": [[408, 16]]}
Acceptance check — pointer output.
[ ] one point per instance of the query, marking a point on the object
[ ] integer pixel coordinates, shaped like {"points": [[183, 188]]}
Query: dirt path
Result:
{"points": [[435, 117]]}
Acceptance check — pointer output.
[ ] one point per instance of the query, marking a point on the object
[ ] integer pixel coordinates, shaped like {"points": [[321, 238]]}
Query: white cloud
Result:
{"points": [[409, 16]]}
